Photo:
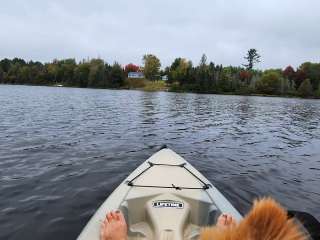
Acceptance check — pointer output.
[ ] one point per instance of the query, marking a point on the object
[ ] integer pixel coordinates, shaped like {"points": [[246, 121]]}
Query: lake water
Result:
{"points": [[64, 150]]}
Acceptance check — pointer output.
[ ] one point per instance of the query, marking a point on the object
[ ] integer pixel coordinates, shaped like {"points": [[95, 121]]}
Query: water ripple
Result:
{"points": [[64, 150]]}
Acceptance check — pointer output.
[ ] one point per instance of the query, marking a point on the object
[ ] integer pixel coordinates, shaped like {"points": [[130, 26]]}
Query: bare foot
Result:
{"points": [[114, 227], [226, 220]]}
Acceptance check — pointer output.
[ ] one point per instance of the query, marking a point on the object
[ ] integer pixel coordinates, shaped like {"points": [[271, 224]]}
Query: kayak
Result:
{"points": [[164, 198]]}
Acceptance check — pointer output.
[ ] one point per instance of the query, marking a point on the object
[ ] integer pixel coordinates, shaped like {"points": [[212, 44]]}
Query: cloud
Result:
{"points": [[284, 32]]}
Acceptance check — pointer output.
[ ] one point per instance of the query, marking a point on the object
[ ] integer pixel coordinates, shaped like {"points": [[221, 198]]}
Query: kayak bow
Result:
{"points": [[164, 198]]}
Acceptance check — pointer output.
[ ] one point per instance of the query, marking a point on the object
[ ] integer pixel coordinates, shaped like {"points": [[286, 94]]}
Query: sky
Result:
{"points": [[285, 32]]}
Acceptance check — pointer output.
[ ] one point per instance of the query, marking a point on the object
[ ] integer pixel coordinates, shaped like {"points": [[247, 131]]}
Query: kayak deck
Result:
{"points": [[164, 198]]}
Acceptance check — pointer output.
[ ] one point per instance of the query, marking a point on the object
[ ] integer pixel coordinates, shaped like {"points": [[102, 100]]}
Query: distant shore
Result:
{"points": [[166, 88], [181, 76]]}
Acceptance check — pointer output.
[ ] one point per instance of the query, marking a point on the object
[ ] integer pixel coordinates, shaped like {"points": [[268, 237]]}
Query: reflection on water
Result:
{"points": [[64, 150]]}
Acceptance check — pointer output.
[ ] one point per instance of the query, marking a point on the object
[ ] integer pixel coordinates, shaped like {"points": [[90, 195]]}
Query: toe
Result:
{"points": [[221, 220], [105, 220], [113, 215], [117, 216], [120, 216], [109, 217]]}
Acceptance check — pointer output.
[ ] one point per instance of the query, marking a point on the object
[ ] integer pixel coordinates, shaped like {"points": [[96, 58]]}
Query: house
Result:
{"points": [[135, 75], [164, 78]]}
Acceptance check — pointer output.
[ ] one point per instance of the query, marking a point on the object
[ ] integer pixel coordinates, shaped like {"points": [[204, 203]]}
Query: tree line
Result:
{"points": [[212, 78], [205, 77], [94, 73]]}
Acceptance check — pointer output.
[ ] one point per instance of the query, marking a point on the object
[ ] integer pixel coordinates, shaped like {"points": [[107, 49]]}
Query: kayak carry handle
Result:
{"points": [[151, 164], [164, 146]]}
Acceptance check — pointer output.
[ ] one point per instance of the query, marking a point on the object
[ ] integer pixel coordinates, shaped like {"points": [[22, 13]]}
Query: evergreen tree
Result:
{"points": [[1, 75], [252, 58], [117, 75]]}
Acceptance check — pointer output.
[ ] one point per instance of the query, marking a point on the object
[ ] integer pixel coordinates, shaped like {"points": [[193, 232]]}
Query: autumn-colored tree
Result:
{"points": [[244, 75], [289, 73], [151, 66], [270, 83], [131, 68]]}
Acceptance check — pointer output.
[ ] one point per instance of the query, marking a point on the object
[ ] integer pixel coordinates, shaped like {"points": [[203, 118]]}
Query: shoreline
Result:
{"points": [[167, 89]]}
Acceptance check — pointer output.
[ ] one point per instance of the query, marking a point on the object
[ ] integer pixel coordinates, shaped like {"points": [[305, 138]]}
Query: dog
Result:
{"points": [[266, 221]]}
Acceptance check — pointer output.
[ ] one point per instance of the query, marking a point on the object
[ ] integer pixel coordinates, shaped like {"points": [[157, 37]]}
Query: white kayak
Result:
{"points": [[164, 198]]}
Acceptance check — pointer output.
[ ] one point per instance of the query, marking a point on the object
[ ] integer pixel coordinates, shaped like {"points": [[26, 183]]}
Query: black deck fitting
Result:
{"points": [[163, 146]]}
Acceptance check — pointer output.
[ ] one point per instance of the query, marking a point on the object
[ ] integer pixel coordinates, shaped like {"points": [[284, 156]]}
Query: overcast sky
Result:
{"points": [[284, 31]]}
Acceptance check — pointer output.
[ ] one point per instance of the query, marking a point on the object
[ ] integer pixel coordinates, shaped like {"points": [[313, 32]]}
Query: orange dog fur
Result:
{"points": [[266, 221]]}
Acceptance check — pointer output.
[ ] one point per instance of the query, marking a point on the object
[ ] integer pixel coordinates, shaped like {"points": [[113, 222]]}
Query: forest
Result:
{"points": [[182, 75]]}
